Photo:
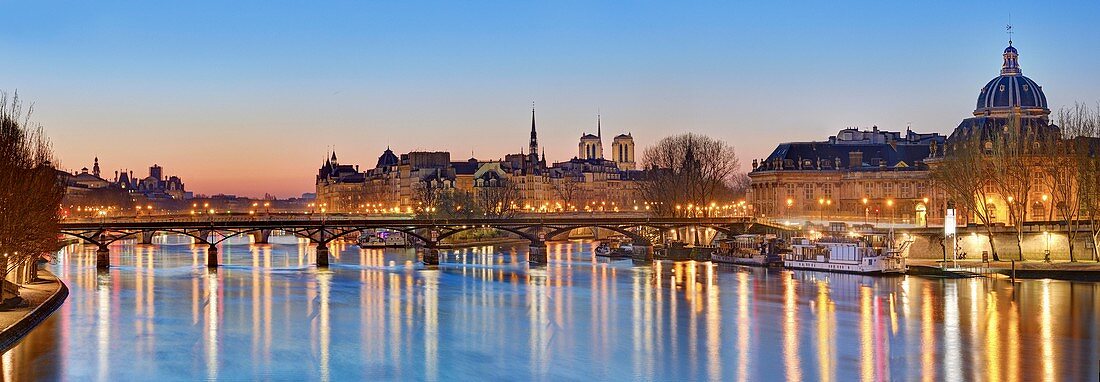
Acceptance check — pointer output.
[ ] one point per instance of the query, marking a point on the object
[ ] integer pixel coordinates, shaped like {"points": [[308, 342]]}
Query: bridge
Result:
{"points": [[429, 233]]}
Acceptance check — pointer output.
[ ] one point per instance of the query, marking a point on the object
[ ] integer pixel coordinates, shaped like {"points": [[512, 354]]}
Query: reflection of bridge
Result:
{"points": [[429, 232]]}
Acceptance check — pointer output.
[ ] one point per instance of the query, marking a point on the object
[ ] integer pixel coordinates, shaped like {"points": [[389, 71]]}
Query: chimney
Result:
{"points": [[855, 159]]}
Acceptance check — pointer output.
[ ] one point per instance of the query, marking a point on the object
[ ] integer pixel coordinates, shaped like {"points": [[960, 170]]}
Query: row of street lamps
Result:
{"points": [[823, 203]]}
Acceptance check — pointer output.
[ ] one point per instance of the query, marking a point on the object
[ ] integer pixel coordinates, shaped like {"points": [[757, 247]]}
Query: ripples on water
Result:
{"points": [[159, 314]]}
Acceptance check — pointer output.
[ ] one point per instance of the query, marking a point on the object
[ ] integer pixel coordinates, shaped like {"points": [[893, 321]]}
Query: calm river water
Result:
{"points": [[158, 314]]}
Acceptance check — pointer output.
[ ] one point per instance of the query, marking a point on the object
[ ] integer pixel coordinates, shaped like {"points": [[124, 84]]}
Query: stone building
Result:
{"points": [[885, 175], [586, 182], [860, 175]]}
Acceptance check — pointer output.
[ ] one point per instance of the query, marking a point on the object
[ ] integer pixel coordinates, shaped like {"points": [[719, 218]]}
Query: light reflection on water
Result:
{"points": [[485, 314]]}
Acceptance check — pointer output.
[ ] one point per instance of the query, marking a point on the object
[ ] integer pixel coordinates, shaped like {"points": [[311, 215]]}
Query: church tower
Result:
{"points": [[622, 151], [591, 146], [533, 147]]}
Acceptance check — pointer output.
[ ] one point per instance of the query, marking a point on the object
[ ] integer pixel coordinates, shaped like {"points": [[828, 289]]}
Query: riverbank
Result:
{"points": [[40, 299], [1059, 270]]}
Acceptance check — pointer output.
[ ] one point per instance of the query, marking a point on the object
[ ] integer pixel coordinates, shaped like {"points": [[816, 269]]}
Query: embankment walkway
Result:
{"points": [[41, 299]]}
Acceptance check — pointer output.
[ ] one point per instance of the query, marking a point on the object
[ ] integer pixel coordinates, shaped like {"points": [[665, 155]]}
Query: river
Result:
{"points": [[485, 314]]}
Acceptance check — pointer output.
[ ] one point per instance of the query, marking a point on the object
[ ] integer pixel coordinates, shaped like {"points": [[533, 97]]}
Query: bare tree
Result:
{"points": [[688, 169], [435, 202], [499, 199], [963, 174], [1074, 173], [566, 188], [1069, 172], [30, 192], [1012, 156]]}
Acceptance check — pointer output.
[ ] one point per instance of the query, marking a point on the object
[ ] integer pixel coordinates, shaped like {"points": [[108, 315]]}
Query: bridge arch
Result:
{"points": [[637, 238], [522, 234]]}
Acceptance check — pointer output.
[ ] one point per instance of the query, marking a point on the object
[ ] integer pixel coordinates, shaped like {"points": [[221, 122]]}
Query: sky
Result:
{"points": [[248, 97]]}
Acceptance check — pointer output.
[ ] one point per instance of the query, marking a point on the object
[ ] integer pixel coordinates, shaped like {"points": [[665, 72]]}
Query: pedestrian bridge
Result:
{"points": [[428, 233]]}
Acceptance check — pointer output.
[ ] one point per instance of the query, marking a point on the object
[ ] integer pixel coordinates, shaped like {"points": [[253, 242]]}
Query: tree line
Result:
{"points": [[1038, 172], [30, 192]]}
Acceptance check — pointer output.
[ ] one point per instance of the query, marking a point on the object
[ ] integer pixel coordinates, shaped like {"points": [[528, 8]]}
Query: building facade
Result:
{"points": [[859, 175], [886, 176], [586, 182]]}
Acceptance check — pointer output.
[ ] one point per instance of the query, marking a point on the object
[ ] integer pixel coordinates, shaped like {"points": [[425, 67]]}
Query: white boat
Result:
{"points": [[371, 241], [867, 254], [754, 250], [603, 249], [382, 239]]}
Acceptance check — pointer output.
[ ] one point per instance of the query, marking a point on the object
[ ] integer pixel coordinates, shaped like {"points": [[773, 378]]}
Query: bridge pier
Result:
{"points": [[146, 237], [642, 253], [102, 257], [429, 255], [322, 255], [261, 236], [536, 253], [212, 256]]}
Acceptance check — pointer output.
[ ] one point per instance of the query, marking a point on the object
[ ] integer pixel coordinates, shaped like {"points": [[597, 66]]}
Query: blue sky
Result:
{"points": [[247, 97]]}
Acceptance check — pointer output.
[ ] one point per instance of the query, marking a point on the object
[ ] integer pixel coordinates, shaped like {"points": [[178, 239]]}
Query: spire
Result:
{"points": [[1011, 65], [599, 133], [95, 167], [533, 147]]}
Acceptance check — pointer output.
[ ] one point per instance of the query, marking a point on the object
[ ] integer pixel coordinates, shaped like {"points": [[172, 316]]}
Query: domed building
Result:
{"points": [[1011, 92], [862, 175], [1010, 99]]}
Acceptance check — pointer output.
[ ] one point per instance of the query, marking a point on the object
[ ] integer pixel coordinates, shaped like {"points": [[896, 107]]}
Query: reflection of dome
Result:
{"points": [[1011, 90], [387, 159]]}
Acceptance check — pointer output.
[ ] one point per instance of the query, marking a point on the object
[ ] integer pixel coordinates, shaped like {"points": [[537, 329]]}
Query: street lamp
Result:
{"points": [[821, 209], [925, 212], [866, 211], [890, 204], [1051, 212], [790, 202]]}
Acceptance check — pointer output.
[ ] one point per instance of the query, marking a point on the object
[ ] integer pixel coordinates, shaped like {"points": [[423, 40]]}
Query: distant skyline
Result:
{"points": [[248, 97]]}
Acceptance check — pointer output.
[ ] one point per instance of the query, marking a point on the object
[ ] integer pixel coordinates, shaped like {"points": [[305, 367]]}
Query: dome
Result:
{"points": [[387, 159], [1011, 90]]}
